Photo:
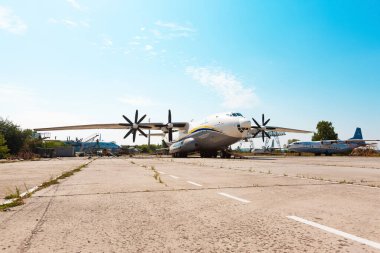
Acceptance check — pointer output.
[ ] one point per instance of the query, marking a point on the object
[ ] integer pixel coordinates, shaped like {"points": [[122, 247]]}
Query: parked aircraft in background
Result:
{"points": [[215, 134], [329, 147]]}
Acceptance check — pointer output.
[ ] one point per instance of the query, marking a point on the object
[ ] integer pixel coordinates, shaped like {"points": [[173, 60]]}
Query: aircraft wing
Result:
{"points": [[151, 126], [288, 130], [279, 129], [133, 126]]}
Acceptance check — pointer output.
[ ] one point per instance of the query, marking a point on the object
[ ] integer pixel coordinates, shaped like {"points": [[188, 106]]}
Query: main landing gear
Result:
{"points": [[225, 154], [179, 155], [209, 154]]}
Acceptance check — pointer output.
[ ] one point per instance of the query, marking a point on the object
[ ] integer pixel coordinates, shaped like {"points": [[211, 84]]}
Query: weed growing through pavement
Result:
{"points": [[13, 195], [17, 202], [156, 175], [20, 200]]}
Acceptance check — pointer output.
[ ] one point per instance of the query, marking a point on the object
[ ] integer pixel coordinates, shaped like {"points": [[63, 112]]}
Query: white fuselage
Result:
{"points": [[217, 132]]}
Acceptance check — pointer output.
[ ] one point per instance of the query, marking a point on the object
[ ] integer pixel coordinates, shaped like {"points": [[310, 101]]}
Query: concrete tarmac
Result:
{"points": [[25, 175], [203, 205]]}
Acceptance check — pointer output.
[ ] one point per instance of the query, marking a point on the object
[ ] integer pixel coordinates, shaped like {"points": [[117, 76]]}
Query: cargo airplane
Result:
{"points": [[330, 147], [217, 133]]}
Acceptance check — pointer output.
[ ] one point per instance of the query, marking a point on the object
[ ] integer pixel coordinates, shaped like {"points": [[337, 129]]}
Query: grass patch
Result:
{"points": [[48, 183], [156, 175], [20, 200], [17, 202], [13, 195]]}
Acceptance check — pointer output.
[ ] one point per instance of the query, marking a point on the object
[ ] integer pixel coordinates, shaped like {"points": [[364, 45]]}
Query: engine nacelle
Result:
{"points": [[185, 146]]}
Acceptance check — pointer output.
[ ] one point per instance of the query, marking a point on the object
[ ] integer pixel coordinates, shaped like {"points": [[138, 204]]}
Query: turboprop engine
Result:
{"points": [[185, 146]]}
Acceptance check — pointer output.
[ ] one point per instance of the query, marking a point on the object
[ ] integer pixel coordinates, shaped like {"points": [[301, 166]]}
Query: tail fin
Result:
{"points": [[358, 134]]}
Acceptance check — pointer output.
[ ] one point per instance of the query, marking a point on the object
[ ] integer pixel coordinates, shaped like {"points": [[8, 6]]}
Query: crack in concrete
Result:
{"points": [[181, 189], [25, 245]]}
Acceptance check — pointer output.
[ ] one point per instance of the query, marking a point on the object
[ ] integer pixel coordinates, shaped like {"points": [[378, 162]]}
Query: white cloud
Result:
{"points": [[170, 30], [134, 43], [136, 101], [69, 23], [11, 22], [226, 85], [74, 4], [29, 109], [174, 26], [107, 42], [148, 48]]}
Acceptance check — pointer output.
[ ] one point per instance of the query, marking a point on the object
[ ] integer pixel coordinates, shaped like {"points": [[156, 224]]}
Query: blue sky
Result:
{"points": [[69, 62]]}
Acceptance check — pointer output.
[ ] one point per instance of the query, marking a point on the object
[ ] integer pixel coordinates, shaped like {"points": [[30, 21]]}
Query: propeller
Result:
{"points": [[134, 126], [261, 129], [169, 126]]}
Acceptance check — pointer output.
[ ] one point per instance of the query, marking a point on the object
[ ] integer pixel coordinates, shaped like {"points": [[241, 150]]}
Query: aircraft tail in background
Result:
{"points": [[358, 134]]}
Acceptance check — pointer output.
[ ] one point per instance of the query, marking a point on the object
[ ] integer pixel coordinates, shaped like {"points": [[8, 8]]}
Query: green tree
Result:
{"points": [[3, 148], [13, 135], [290, 141], [325, 131], [54, 144], [18, 139]]}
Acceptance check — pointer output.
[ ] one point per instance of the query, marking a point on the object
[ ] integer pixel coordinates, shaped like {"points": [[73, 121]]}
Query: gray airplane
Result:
{"points": [[329, 147]]}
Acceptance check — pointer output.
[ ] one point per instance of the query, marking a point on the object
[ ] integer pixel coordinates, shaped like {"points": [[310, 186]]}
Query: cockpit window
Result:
{"points": [[235, 114]]}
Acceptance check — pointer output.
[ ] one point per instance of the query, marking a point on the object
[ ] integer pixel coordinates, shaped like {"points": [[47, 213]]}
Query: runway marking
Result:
{"points": [[233, 197], [175, 177], [193, 183], [163, 173], [375, 245]]}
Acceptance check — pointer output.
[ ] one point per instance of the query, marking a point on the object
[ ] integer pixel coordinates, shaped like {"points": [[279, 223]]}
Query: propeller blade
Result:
{"points": [[256, 134], [130, 122], [266, 122], [142, 118], [267, 134], [170, 117], [129, 132], [134, 134], [257, 124], [170, 135], [142, 132], [136, 116], [262, 119], [262, 135]]}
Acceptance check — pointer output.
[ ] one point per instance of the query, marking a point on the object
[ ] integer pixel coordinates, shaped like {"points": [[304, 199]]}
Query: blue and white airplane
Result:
{"points": [[329, 147]]}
